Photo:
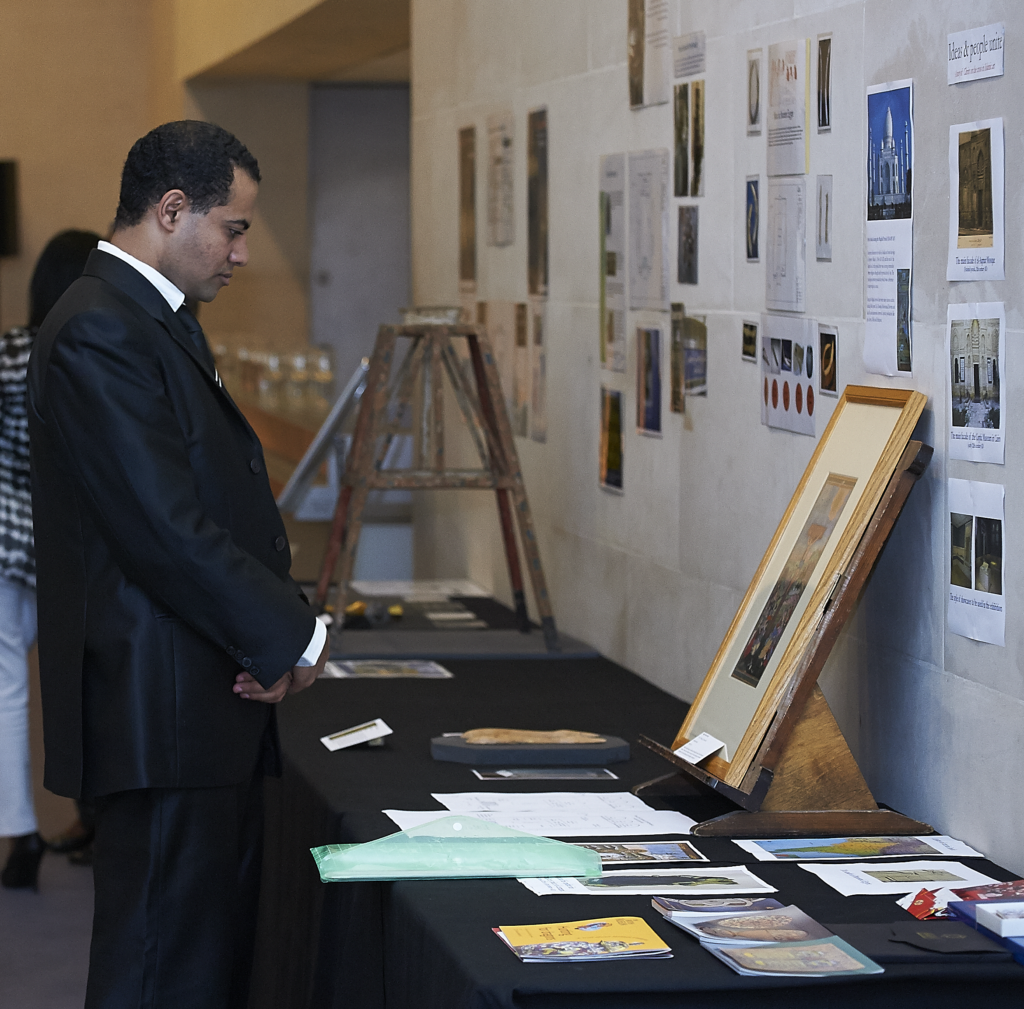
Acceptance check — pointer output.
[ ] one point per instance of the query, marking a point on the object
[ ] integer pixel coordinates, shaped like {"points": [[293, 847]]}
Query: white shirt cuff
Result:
{"points": [[315, 646]]}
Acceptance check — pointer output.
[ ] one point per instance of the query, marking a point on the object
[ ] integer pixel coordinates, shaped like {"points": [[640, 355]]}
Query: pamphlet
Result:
{"points": [[782, 925], [590, 939], [815, 958], [673, 907], [362, 733], [825, 848], [734, 879], [627, 852], [547, 774], [409, 669], [898, 877]]}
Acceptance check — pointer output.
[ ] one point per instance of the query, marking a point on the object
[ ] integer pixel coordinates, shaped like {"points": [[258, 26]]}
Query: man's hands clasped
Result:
{"points": [[296, 679]]}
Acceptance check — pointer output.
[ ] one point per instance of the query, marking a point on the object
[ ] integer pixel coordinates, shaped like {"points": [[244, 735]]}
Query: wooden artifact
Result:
{"points": [[800, 778], [409, 399]]}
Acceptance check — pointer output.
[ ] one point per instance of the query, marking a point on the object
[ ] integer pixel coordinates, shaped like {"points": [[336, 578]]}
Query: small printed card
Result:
{"points": [[362, 733], [700, 747], [411, 669]]}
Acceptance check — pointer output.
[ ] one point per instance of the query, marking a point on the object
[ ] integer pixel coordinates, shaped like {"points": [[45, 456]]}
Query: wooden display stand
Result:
{"points": [[417, 387], [804, 781]]}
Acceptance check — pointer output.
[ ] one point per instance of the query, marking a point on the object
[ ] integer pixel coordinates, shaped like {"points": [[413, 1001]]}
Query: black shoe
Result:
{"points": [[75, 838], [22, 869]]}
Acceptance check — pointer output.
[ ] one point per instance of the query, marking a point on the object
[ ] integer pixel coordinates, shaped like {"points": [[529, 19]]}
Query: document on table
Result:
{"points": [[625, 823], [542, 802], [731, 880], [896, 877]]}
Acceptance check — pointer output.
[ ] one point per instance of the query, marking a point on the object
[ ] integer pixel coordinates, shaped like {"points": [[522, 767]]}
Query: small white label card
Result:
{"points": [[975, 53], [362, 733], [699, 747]]}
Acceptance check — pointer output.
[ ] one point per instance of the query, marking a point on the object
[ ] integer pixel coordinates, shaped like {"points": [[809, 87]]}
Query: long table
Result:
{"points": [[429, 944]]}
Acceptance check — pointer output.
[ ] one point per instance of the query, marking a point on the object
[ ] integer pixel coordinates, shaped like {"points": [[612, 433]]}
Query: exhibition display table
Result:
{"points": [[429, 944]]}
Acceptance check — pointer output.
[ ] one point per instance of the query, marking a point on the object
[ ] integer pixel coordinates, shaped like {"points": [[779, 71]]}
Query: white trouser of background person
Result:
{"points": [[17, 634]]}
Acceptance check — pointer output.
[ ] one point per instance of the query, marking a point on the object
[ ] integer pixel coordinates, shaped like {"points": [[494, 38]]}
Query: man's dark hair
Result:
{"points": [[196, 157], [59, 266]]}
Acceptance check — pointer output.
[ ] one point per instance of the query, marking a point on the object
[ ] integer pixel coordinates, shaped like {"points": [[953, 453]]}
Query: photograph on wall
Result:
{"points": [[613, 262], [690, 54], [648, 380], [686, 266], [697, 138], [754, 57], [786, 245], [539, 393], [828, 360], [976, 561], [976, 347], [648, 52], [794, 578], [976, 194], [788, 108], [695, 355], [753, 218], [787, 373], [681, 154], [500, 216], [823, 214], [537, 202], [521, 373], [610, 460], [749, 350], [648, 229], [467, 210], [824, 83], [677, 392], [889, 233]]}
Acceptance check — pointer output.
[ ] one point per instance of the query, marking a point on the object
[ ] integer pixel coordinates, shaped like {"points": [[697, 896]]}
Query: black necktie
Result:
{"points": [[195, 332]]}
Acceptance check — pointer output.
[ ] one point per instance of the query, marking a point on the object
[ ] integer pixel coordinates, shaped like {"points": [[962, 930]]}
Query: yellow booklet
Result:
{"points": [[593, 939]]}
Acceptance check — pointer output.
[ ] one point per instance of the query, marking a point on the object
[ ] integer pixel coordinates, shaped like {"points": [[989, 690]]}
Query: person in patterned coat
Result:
{"points": [[60, 264]]}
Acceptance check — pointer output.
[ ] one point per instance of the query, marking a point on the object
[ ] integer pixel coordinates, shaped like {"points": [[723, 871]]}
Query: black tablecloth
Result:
{"points": [[429, 944]]}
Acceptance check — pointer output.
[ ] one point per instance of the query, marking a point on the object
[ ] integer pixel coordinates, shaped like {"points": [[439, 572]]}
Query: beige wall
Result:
{"points": [[74, 81]]}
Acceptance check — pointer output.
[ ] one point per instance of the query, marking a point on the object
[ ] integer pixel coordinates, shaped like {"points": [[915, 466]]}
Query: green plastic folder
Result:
{"points": [[454, 847]]}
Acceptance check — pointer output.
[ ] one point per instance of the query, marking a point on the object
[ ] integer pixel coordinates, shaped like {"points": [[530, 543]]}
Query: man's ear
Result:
{"points": [[169, 211]]}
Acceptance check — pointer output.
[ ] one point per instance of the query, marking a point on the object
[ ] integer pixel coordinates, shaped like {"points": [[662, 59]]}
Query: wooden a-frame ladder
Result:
{"points": [[416, 391]]}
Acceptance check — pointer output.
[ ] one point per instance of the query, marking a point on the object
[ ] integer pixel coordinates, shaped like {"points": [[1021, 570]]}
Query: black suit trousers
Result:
{"points": [[177, 874]]}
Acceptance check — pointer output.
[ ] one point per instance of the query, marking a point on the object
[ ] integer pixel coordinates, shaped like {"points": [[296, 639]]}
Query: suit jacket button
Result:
{"points": [[247, 662], [254, 671], [255, 466], [280, 543], [231, 650]]}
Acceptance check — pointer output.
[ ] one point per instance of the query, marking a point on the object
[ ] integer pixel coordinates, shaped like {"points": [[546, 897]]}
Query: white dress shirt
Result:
{"points": [[175, 298]]}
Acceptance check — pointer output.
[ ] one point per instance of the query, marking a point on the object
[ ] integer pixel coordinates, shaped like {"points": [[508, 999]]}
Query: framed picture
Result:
{"points": [[752, 675]]}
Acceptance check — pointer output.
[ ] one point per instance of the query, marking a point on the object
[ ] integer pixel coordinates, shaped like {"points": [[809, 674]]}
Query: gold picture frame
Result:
{"points": [[753, 674]]}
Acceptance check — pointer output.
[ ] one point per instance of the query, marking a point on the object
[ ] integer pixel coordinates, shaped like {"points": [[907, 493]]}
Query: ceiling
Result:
{"points": [[338, 40]]}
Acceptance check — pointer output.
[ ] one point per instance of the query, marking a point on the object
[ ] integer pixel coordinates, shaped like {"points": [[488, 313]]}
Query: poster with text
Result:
{"points": [[648, 380], [976, 349], [537, 202], [610, 460], [890, 228], [539, 396], [789, 108], [648, 229], [500, 215], [976, 201], [613, 262], [785, 243], [787, 373], [976, 557]]}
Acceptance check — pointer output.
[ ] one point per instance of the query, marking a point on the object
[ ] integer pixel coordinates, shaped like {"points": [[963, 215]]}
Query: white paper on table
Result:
{"points": [[655, 881], [976, 351], [789, 91], [786, 244], [942, 844], [890, 254], [648, 229], [875, 878], [613, 268], [976, 601], [611, 824], [976, 191], [541, 802]]}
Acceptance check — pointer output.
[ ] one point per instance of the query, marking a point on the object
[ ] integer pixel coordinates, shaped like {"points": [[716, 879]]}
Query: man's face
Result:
{"points": [[204, 250]]}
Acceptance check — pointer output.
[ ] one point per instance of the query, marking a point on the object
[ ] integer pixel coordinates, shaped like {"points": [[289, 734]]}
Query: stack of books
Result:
{"points": [[778, 941], [611, 938]]}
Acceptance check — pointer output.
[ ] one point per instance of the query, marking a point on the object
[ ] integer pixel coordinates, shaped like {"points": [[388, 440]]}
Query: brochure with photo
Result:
{"points": [[626, 852], [825, 848], [815, 958], [899, 877], [781, 925], [590, 939], [706, 906], [734, 879]]}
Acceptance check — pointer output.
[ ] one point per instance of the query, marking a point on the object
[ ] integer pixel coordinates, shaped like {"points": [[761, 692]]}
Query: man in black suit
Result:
{"points": [[168, 623]]}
